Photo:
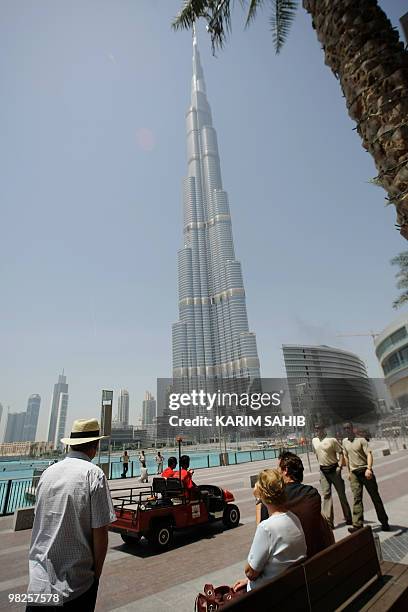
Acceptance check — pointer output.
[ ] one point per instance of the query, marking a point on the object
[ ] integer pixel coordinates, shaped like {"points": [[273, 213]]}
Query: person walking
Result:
{"points": [[330, 456], [69, 539], [359, 461], [159, 462], [125, 461]]}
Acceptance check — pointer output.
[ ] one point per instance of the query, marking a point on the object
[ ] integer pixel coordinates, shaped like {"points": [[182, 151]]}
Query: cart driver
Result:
{"points": [[186, 476]]}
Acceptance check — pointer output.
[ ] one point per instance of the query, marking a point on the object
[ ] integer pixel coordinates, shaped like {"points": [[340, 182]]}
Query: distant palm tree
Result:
{"points": [[364, 52], [401, 260]]}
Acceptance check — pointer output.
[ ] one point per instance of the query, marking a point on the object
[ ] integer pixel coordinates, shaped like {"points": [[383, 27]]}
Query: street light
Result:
{"points": [[300, 391]]}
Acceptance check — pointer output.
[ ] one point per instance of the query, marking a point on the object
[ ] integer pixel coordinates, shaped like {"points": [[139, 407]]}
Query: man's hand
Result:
{"points": [[368, 474], [240, 584], [250, 573]]}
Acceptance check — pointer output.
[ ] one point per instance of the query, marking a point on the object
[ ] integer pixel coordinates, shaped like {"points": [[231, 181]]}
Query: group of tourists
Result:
{"points": [[355, 454], [144, 476], [74, 510], [292, 522]]}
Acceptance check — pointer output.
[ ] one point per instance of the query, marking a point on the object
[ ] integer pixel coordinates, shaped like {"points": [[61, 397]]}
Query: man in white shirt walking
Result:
{"points": [[70, 533], [329, 454]]}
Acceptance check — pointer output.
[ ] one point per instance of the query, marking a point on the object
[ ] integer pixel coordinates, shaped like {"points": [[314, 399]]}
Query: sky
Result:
{"points": [[92, 156]]}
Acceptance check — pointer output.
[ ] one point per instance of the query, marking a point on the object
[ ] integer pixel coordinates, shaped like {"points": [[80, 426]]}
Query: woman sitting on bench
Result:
{"points": [[279, 541]]}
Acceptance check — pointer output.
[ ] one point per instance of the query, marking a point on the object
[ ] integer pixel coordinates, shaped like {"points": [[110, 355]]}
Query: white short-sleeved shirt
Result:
{"points": [[72, 498], [279, 541]]}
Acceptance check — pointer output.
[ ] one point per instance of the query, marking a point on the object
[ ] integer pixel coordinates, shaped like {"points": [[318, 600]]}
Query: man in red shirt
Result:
{"points": [[186, 474], [169, 471]]}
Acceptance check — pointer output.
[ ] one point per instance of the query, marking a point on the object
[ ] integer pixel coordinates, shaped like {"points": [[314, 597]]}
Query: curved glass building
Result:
{"points": [[328, 385], [211, 341], [391, 348]]}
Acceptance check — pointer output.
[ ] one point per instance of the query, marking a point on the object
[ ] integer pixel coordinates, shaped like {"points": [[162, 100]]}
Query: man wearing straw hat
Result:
{"points": [[70, 532]]}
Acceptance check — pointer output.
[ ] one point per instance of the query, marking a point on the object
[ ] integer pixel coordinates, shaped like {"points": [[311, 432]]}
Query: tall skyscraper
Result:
{"points": [[123, 407], [211, 341], [59, 387], [61, 419], [31, 420], [15, 427], [149, 409]]}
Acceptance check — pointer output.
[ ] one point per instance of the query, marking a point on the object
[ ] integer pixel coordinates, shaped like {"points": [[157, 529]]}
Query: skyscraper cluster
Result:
{"points": [[22, 426]]}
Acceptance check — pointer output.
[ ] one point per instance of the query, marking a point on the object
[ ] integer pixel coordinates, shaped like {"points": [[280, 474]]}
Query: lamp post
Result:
{"points": [[179, 440], [300, 391]]}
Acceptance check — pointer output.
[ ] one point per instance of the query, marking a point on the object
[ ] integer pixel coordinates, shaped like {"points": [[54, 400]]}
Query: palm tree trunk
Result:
{"points": [[365, 53]]}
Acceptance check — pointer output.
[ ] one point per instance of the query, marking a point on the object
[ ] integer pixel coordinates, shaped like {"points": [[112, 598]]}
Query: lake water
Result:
{"points": [[198, 459]]}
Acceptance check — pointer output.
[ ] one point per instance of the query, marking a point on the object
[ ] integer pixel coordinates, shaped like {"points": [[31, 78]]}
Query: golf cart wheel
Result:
{"points": [[231, 516], [161, 536], [130, 539]]}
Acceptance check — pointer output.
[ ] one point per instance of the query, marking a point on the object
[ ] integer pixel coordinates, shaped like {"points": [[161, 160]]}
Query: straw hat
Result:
{"points": [[84, 431]]}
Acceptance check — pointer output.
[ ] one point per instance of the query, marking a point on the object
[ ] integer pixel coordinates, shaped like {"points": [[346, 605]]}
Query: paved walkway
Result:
{"points": [[135, 578]]}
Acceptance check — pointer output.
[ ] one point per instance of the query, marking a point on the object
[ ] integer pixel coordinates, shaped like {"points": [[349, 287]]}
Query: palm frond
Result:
{"points": [[400, 260], [401, 300], [217, 13], [282, 16], [254, 5], [219, 23], [191, 11]]}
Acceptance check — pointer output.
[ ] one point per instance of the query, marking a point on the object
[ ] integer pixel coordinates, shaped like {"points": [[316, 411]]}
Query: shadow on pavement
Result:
{"points": [[182, 538]]}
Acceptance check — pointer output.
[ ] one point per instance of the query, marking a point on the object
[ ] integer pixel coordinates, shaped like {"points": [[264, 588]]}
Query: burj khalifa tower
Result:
{"points": [[212, 344]]}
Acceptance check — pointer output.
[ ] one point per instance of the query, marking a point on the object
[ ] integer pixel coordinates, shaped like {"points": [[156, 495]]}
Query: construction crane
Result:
{"points": [[371, 333]]}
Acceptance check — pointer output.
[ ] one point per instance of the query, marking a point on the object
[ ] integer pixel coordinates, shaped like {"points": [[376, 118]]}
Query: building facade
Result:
{"points": [[59, 388], [149, 410], [61, 420], [391, 348], [32, 449], [212, 343], [122, 417], [31, 420], [15, 427], [328, 385]]}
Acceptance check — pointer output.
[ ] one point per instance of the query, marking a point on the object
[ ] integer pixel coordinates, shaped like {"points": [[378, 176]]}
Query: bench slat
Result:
{"points": [[394, 594], [341, 570]]}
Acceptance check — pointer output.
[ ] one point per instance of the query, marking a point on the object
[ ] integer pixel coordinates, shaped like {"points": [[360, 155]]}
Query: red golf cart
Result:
{"points": [[156, 512]]}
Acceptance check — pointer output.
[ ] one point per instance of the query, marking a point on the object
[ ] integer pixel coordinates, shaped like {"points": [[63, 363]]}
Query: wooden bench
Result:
{"points": [[346, 575]]}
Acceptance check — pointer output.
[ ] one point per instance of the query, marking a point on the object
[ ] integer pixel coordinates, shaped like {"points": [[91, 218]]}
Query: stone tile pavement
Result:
{"points": [[135, 578]]}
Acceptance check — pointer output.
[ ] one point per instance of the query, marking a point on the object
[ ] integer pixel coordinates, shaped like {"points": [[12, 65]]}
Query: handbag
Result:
{"points": [[214, 599]]}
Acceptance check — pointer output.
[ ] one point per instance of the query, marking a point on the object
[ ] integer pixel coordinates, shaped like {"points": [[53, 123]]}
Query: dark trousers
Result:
{"points": [[326, 481], [125, 469], [357, 482], [84, 603]]}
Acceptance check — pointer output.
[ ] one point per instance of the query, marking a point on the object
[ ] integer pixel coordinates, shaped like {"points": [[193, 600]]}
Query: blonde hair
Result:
{"points": [[270, 487]]}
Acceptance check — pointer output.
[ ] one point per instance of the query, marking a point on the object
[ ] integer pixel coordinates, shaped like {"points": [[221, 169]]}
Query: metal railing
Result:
{"points": [[16, 493], [20, 492]]}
